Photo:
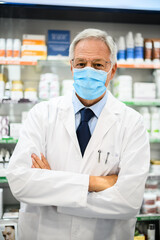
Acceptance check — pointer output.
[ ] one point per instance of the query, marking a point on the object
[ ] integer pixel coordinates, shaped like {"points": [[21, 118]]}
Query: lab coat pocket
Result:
{"points": [[108, 164], [27, 226]]}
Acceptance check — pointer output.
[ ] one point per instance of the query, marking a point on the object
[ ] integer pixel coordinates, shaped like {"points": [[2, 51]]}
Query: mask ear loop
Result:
{"points": [[110, 68]]}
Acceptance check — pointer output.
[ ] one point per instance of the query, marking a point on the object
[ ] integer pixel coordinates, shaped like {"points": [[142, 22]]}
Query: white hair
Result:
{"points": [[92, 33]]}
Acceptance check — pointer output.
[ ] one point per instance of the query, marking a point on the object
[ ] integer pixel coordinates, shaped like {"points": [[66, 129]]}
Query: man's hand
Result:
{"points": [[100, 183], [40, 163], [96, 183]]}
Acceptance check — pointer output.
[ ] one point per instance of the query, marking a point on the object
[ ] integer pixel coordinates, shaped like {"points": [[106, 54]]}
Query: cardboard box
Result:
{"points": [[143, 90], [32, 39], [8, 228], [34, 52], [58, 43]]}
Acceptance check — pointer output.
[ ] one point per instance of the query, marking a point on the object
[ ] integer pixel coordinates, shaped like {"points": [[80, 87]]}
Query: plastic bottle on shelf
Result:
{"points": [[1, 202], [30, 94], [147, 118], [138, 48], [16, 48], [7, 93], [9, 48], [148, 50], [155, 123], [121, 55], [122, 87], [2, 86], [156, 52], [151, 232], [156, 75], [129, 47], [2, 48]]}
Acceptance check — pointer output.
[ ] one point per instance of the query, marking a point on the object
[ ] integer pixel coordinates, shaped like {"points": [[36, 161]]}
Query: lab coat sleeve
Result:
{"points": [[41, 186], [124, 199]]}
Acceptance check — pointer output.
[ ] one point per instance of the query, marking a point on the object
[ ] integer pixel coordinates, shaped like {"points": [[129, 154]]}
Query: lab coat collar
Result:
{"points": [[67, 116], [113, 105], [106, 120]]}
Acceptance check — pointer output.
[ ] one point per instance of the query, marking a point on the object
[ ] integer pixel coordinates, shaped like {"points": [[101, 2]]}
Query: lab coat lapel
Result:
{"points": [[67, 116], [107, 119]]}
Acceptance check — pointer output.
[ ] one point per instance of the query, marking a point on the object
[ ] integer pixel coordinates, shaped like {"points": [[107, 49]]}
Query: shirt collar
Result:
{"points": [[96, 108]]}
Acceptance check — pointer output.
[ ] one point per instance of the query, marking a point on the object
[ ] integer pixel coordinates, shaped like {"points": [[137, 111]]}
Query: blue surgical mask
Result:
{"points": [[89, 83]]}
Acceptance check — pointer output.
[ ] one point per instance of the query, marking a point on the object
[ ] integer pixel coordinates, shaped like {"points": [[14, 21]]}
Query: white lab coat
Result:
{"points": [[56, 203]]}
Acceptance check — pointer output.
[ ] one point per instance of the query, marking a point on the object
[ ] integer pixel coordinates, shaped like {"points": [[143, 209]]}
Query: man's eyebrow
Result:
{"points": [[97, 59]]}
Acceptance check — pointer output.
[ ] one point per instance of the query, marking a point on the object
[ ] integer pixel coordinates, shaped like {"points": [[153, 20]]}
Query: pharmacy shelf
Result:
{"points": [[66, 60], [142, 102], [153, 140], [140, 66], [2, 173], [8, 140], [157, 175], [55, 59], [17, 62], [11, 140], [21, 101], [147, 217], [3, 179]]}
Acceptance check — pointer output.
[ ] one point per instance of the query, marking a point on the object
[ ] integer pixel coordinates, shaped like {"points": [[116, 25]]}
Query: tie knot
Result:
{"points": [[86, 114]]}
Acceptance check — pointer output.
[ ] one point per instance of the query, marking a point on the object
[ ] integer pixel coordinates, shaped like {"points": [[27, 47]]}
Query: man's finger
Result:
{"points": [[44, 160], [38, 161], [35, 164]]}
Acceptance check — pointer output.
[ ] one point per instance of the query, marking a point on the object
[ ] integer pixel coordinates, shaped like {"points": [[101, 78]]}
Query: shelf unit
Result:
{"points": [[8, 140], [142, 102], [147, 217], [17, 62], [66, 59], [139, 65]]}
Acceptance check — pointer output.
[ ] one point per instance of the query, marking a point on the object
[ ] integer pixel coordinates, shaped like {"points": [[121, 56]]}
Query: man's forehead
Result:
{"points": [[91, 48]]}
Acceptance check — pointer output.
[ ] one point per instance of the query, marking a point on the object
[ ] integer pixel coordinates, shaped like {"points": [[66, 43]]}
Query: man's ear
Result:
{"points": [[111, 74], [71, 67], [113, 71]]}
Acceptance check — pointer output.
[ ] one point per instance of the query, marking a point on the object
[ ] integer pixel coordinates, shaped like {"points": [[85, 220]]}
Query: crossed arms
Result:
{"points": [[96, 183]]}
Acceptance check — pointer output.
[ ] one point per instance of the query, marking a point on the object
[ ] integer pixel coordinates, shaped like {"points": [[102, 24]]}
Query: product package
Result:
{"points": [[149, 93], [8, 228], [33, 47], [58, 43]]}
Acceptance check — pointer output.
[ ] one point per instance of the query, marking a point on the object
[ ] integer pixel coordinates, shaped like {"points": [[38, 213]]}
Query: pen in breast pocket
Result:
{"points": [[107, 157], [99, 155]]}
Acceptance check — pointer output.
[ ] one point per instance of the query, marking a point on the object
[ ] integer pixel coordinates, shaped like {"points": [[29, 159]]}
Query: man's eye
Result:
{"points": [[98, 65], [80, 65]]}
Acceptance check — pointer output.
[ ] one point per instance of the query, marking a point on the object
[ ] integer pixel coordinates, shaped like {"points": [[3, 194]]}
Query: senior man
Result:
{"points": [[81, 162]]}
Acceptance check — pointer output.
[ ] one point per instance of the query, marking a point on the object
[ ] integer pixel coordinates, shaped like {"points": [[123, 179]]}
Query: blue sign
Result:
{"points": [[58, 42]]}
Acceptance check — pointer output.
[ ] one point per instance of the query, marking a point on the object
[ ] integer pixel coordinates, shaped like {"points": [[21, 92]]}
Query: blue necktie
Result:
{"points": [[83, 132]]}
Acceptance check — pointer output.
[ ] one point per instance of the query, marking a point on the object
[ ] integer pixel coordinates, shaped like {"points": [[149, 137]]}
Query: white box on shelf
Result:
{"points": [[15, 130], [1, 202], [144, 90], [122, 87]]}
